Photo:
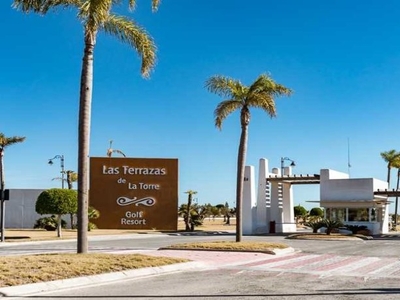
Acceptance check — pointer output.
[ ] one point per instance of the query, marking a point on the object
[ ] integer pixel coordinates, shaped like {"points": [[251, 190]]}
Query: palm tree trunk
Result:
{"points": [[2, 217], [388, 175], [239, 183], [85, 102], [397, 200], [188, 220]]}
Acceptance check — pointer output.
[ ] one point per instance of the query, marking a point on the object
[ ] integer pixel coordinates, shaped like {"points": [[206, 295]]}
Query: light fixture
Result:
{"points": [[292, 164], [61, 158]]}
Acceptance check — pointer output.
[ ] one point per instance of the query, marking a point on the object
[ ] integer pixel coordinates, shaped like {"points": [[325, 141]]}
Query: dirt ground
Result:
{"points": [[14, 235]]}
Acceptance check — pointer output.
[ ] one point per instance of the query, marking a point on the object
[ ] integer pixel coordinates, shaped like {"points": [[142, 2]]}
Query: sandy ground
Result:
{"points": [[39, 234]]}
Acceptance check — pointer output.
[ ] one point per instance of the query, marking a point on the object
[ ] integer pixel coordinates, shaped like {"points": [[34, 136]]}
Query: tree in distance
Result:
{"points": [[57, 202], [189, 226], [110, 150]]}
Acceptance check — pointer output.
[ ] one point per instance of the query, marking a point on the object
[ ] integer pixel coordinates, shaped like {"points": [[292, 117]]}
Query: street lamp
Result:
{"points": [[61, 158], [283, 161]]}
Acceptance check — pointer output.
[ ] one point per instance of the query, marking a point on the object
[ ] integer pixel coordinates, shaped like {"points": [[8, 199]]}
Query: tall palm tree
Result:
{"points": [[95, 15], [110, 150], [260, 94], [390, 157], [4, 143]]}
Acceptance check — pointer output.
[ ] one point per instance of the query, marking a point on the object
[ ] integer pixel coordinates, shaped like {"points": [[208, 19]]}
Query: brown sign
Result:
{"points": [[134, 193]]}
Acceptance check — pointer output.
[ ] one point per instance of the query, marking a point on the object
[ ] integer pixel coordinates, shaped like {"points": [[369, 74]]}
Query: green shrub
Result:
{"points": [[91, 226], [330, 225], [317, 212], [48, 223], [314, 225]]}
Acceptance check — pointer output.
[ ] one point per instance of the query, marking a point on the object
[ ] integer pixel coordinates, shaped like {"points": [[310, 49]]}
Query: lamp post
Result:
{"points": [[61, 158], [283, 162]]}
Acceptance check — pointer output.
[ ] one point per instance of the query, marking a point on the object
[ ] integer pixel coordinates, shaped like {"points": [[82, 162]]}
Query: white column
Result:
{"points": [[249, 200], [263, 198], [385, 219], [288, 223], [276, 213]]}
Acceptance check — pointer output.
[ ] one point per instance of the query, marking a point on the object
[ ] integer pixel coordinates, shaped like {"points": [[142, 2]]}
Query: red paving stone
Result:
{"points": [[213, 257]]}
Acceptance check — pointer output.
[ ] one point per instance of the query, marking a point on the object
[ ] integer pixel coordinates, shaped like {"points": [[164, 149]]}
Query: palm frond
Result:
{"points": [[119, 152], [224, 86], [96, 13], [28, 5], [52, 4], [224, 109], [43, 6], [59, 178], [127, 31], [391, 157], [132, 4], [155, 4], [263, 101], [265, 84], [8, 141]]}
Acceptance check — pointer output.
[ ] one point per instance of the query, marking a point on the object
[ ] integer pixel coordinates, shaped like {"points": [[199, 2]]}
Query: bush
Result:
{"points": [[57, 202], [48, 223], [331, 225], [314, 225], [317, 212], [91, 226]]}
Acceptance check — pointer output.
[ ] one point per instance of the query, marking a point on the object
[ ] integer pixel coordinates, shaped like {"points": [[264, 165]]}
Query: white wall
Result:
{"points": [[347, 189], [20, 209], [249, 200]]}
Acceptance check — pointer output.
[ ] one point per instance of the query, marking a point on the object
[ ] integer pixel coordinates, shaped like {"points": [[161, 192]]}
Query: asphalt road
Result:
{"points": [[387, 246], [303, 275], [238, 283]]}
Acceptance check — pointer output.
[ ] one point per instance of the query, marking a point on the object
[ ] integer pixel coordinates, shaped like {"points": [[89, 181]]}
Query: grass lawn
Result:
{"points": [[18, 270], [230, 246]]}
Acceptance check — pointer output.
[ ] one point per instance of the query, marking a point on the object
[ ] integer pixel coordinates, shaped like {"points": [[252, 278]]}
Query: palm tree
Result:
{"points": [[187, 217], [71, 178], [110, 151], [95, 15], [260, 94], [4, 143], [390, 157]]}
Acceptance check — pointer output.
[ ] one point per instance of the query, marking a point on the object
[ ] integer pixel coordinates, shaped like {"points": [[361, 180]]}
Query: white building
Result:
{"points": [[356, 201]]}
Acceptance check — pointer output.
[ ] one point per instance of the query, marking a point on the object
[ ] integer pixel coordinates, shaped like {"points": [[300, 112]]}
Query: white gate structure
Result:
{"points": [[346, 199]]}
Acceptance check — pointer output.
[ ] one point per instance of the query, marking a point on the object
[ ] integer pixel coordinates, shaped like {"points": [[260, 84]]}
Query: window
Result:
{"points": [[358, 214], [337, 214]]}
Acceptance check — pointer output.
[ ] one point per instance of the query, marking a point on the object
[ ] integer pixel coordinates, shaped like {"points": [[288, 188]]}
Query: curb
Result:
{"points": [[90, 239], [21, 290], [272, 251]]}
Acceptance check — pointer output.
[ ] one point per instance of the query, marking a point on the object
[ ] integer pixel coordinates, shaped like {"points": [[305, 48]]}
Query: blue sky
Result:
{"points": [[341, 58]]}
